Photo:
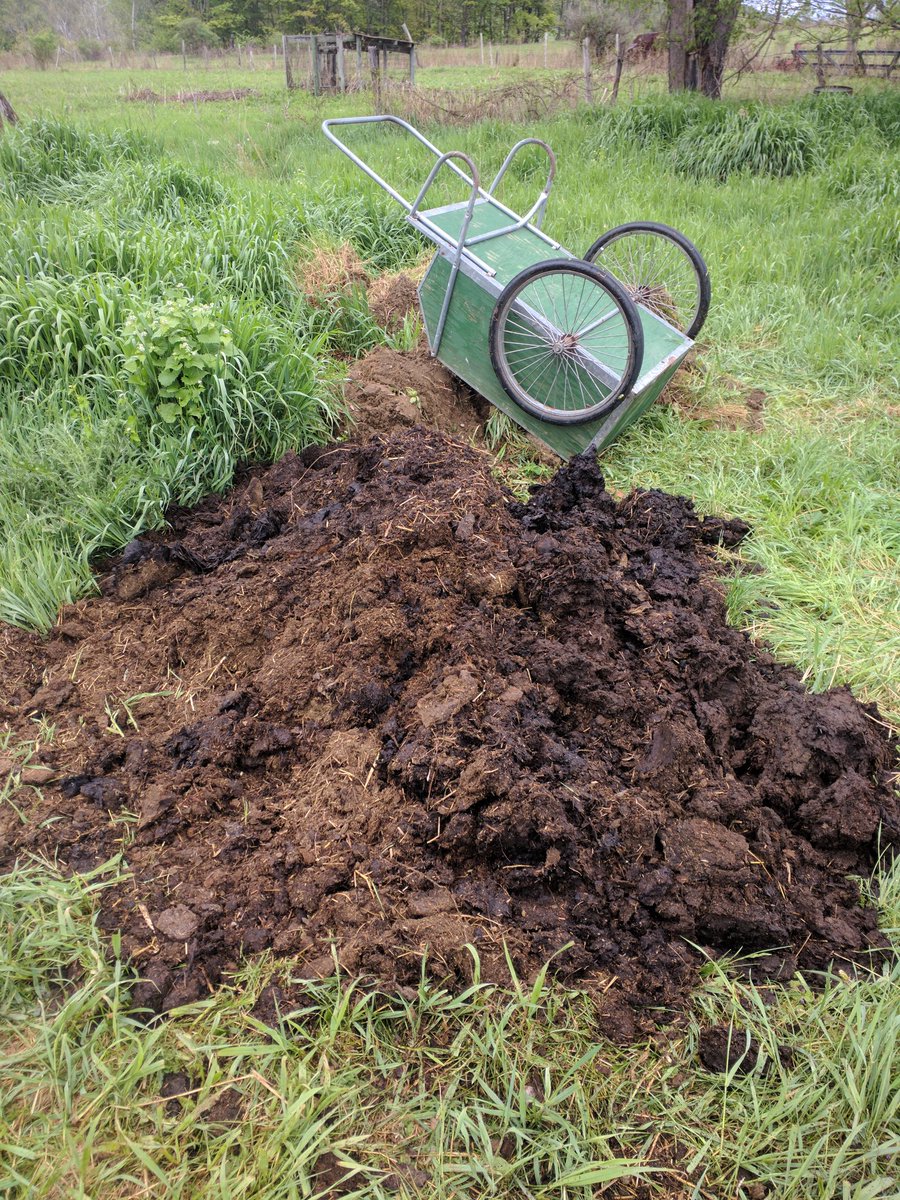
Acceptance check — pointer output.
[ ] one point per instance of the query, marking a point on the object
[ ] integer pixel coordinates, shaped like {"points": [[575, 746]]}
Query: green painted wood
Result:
{"points": [[511, 253], [508, 254], [464, 351]]}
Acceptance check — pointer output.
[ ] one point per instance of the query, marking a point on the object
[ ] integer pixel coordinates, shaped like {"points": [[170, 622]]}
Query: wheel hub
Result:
{"points": [[566, 344]]}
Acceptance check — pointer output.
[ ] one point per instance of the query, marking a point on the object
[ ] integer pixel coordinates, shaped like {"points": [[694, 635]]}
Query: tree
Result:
{"points": [[699, 33], [43, 47], [7, 113]]}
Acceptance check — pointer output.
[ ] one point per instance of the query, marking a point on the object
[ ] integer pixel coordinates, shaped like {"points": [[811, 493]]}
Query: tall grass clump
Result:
{"points": [[761, 141], [48, 153], [713, 140], [152, 338], [657, 121], [376, 229]]}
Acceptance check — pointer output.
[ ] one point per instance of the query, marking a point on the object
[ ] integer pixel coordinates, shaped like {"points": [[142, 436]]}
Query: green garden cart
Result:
{"points": [[573, 349]]}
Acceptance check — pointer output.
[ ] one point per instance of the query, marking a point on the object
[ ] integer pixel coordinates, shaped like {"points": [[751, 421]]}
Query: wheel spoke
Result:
{"points": [[563, 342], [658, 273]]}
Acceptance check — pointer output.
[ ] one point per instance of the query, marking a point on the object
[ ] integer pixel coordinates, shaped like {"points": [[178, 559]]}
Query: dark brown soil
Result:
{"points": [[367, 706], [390, 390], [392, 298]]}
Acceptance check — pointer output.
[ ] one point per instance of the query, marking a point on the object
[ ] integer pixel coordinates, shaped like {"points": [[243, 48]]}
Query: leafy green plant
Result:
{"points": [[174, 353], [43, 47]]}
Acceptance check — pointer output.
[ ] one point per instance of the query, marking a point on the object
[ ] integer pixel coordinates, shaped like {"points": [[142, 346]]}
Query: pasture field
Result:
{"points": [[133, 234]]}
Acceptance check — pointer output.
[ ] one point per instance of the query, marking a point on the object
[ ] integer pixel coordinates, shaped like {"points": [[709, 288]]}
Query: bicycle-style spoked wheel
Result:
{"points": [[660, 268], [566, 341]]}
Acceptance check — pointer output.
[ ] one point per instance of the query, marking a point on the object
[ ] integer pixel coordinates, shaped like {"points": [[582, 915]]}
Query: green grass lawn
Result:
{"points": [[490, 1094]]}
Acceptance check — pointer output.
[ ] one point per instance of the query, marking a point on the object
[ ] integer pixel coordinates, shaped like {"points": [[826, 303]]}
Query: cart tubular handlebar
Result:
{"points": [[345, 149], [535, 213], [459, 247]]}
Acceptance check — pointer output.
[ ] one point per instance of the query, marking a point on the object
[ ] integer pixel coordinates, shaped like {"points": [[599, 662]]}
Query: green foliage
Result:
{"points": [[377, 230], [49, 153], [714, 139], [43, 47], [150, 341], [762, 141], [175, 353], [90, 50], [657, 121], [194, 33]]}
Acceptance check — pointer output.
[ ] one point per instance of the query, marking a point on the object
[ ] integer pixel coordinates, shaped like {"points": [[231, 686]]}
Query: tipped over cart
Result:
{"points": [[573, 349]]}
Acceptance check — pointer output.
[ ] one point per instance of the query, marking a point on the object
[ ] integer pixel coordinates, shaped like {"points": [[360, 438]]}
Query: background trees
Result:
{"points": [[698, 32]]}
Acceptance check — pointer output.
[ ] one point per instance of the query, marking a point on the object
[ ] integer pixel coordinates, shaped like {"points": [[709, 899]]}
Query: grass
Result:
{"points": [[805, 292], [493, 1093]]}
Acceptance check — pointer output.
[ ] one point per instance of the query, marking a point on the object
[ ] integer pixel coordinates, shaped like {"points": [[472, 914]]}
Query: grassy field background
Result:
{"points": [[214, 208], [804, 308]]}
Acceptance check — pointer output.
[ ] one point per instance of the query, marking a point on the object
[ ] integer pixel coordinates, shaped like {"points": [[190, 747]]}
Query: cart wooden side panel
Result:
{"points": [[464, 350]]}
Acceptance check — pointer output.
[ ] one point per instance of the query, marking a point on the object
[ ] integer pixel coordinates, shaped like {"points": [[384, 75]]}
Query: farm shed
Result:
{"points": [[328, 62]]}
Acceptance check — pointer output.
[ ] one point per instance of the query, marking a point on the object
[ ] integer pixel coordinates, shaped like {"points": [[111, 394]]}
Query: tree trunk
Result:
{"points": [[699, 33], [7, 112], [678, 32], [714, 22], [854, 28]]}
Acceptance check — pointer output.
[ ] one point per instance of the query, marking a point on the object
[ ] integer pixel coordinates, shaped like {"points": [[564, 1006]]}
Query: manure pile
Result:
{"points": [[368, 705]]}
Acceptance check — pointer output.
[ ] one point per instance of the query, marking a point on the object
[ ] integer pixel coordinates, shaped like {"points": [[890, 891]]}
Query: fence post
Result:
{"points": [[240, 64], [620, 62], [481, 44], [820, 66], [358, 61], [586, 66], [316, 77], [376, 78], [7, 112], [546, 37], [339, 62], [288, 73], [413, 55]]}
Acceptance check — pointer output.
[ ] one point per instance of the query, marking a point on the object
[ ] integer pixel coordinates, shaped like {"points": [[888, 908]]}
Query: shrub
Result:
{"points": [[43, 47], [175, 354], [89, 50]]}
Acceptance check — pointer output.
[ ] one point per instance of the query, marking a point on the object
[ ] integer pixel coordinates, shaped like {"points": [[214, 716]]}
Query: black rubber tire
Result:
{"points": [[684, 244], [630, 317]]}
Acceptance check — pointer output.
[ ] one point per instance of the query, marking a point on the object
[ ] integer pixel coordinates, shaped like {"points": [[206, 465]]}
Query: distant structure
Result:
{"points": [[338, 62], [881, 63], [642, 46]]}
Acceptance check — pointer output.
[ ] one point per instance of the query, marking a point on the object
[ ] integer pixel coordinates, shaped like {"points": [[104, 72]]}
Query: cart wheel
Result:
{"points": [[660, 269], [566, 341]]}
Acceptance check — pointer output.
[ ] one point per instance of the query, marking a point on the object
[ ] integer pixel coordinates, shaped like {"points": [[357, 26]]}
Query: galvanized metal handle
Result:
{"points": [[473, 182], [460, 245], [536, 212], [405, 125]]}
